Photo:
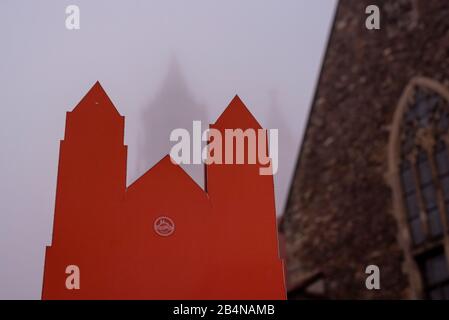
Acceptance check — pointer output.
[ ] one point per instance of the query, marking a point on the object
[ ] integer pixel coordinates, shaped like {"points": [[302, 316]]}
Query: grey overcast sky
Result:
{"points": [[157, 60]]}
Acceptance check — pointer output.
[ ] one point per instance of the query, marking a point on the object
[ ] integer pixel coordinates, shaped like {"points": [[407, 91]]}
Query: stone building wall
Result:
{"points": [[339, 215]]}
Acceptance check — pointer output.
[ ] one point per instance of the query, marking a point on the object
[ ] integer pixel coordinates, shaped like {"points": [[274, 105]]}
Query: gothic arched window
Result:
{"points": [[419, 168]]}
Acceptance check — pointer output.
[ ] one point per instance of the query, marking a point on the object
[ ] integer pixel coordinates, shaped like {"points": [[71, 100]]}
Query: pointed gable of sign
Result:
{"points": [[167, 175], [96, 100], [237, 115], [94, 117]]}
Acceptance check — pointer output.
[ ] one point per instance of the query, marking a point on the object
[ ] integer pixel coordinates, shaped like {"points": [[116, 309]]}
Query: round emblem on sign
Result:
{"points": [[164, 226]]}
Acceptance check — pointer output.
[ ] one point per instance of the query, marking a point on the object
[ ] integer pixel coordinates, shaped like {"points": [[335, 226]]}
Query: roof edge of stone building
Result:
{"points": [[324, 57]]}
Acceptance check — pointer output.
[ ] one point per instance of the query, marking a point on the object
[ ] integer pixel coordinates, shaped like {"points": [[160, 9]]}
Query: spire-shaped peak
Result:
{"points": [[174, 83], [237, 115], [95, 99]]}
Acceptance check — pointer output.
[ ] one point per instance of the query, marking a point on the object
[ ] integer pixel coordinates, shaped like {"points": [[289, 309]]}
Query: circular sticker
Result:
{"points": [[164, 226]]}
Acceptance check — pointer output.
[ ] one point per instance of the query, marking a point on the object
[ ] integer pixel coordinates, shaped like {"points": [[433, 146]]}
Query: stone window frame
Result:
{"points": [[413, 252]]}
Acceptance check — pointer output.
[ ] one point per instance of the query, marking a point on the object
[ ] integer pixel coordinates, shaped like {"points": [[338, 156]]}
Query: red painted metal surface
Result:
{"points": [[218, 244]]}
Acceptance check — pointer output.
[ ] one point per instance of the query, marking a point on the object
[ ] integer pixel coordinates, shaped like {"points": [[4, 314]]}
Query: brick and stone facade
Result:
{"points": [[340, 214]]}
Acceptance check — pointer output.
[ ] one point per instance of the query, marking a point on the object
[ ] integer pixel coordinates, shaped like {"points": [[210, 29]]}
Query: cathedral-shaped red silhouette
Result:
{"points": [[162, 237]]}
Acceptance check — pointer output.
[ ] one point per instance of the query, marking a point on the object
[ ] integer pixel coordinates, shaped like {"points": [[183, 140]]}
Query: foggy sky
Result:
{"points": [[267, 52]]}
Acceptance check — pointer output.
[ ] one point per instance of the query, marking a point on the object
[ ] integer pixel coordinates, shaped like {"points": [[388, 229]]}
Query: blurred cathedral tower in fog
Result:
{"points": [[173, 106], [372, 180]]}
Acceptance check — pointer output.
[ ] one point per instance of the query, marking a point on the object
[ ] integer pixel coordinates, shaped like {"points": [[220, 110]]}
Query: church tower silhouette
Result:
{"points": [[162, 237]]}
